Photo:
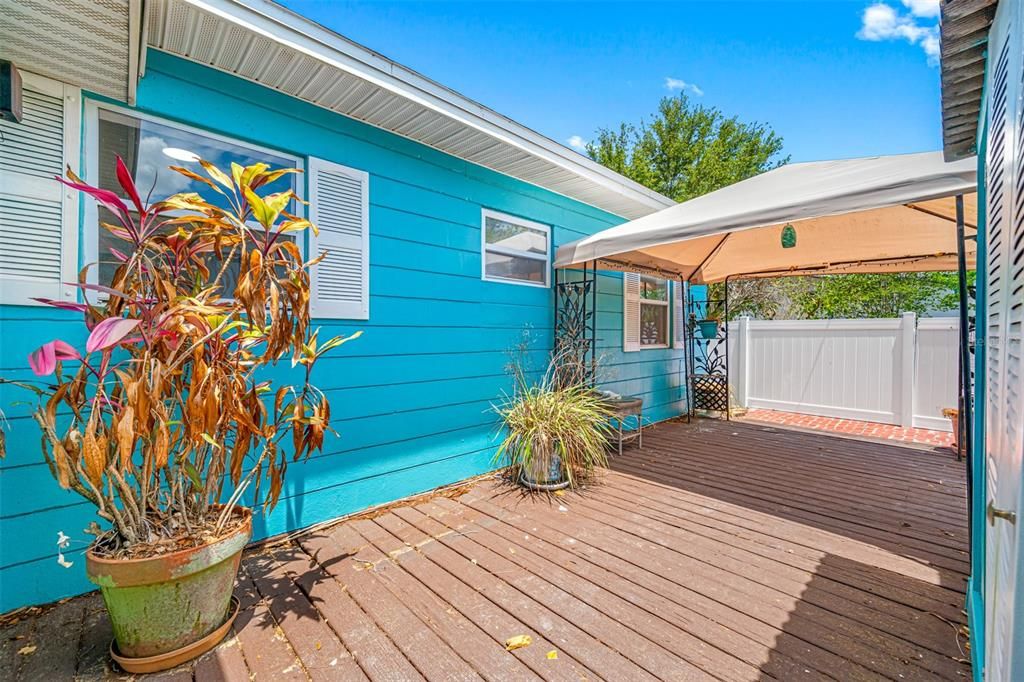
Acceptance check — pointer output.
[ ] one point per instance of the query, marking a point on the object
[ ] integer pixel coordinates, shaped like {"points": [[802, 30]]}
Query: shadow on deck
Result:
{"points": [[732, 551]]}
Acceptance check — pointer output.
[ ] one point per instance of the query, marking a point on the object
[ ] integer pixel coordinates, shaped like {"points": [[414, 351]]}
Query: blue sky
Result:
{"points": [[835, 78]]}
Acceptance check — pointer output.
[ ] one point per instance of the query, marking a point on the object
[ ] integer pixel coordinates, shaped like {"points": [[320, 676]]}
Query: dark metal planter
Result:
{"points": [[164, 603], [544, 487], [550, 477]]}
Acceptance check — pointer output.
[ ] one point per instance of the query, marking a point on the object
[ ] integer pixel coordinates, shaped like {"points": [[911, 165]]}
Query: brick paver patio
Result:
{"points": [[852, 427]]}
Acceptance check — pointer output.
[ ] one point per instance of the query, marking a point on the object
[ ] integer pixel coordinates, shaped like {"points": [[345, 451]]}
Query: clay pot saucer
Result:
{"points": [[171, 659]]}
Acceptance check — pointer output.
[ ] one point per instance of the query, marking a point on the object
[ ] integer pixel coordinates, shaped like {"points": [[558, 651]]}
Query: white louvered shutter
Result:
{"points": [[38, 215], [339, 207], [678, 315], [1004, 394], [630, 312]]}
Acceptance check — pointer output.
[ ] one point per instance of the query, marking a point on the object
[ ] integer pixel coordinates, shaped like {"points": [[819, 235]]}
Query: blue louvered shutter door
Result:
{"points": [[339, 207], [38, 215]]}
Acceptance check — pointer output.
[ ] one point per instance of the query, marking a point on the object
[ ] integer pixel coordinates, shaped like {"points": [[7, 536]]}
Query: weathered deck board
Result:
{"points": [[729, 551]]}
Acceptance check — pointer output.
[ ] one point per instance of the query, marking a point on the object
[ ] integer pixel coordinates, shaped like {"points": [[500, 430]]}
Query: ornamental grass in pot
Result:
{"points": [[165, 417], [555, 430]]}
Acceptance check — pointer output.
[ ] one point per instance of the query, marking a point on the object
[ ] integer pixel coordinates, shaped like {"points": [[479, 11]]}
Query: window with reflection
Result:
{"points": [[148, 148], [654, 309], [515, 250]]}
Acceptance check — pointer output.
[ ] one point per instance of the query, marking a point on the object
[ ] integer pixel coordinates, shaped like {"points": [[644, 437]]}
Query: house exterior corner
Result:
{"points": [[412, 397]]}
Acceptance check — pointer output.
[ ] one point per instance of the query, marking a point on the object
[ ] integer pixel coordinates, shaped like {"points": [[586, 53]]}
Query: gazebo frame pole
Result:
{"points": [[965, 437], [593, 327], [554, 308], [684, 304], [725, 325]]}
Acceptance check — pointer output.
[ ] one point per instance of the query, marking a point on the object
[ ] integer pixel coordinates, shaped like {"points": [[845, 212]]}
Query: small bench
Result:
{"points": [[621, 409]]}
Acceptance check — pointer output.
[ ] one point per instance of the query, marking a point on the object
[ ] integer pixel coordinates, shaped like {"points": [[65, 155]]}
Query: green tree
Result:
{"points": [[688, 149], [885, 295]]}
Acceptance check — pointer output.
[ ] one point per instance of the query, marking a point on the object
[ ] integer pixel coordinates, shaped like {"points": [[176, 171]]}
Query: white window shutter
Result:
{"points": [[630, 312], [679, 315], [38, 215], [340, 208]]}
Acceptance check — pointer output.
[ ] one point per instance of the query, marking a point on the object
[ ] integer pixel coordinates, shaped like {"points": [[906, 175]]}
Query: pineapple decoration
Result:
{"points": [[649, 333]]}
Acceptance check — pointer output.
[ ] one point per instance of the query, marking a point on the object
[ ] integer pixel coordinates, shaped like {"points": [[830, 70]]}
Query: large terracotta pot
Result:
{"points": [[164, 603]]}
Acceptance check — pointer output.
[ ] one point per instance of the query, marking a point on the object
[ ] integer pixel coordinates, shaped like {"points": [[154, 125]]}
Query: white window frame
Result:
{"points": [[89, 251], [504, 251], [668, 313]]}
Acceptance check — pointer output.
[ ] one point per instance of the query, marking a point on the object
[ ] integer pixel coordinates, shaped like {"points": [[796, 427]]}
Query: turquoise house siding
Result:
{"points": [[411, 398]]}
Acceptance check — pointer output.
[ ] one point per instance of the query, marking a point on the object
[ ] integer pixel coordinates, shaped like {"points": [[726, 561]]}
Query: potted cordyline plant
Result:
{"points": [[555, 430], [170, 420]]}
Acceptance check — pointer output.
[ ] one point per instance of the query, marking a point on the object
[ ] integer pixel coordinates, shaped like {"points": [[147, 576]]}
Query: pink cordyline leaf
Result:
{"points": [[63, 305], [109, 199], [43, 360], [109, 332], [65, 351], [124, 178], [110, 291]]}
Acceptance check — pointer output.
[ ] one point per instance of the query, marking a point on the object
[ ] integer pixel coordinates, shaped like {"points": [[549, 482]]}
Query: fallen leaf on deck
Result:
{"points": [[517, 642], [552, 655], [26, 650], [560, 493]]}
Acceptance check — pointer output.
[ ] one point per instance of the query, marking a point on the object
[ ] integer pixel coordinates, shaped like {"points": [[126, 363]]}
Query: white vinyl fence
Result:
{"points": [[894, 371]]}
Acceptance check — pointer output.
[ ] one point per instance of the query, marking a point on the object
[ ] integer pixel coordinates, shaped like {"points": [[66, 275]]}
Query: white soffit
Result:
{"points": [[263, 42], [91, 44]]}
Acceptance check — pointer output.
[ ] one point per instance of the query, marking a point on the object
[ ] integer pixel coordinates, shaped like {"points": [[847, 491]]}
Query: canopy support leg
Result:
{"points": [[593, 326], [725, 325], [965, 437]]}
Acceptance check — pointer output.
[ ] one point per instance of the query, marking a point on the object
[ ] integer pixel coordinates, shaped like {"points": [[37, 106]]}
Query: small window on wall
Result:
{"points": [[646, 312], [148, 146], [515, 250], [654, 309]]}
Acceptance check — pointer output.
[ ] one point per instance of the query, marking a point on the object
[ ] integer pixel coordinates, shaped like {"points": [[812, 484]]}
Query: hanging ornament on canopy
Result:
{"points": [[788, 236]]}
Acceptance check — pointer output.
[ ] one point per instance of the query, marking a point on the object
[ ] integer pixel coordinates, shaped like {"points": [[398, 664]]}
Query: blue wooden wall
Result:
{"points": [[411, 398]]}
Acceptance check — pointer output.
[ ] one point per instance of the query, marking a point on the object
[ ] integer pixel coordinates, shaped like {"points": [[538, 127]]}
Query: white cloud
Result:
{"points": [[676, 84], [922, 8], [577, 143], [883, 22], [931, 46]]}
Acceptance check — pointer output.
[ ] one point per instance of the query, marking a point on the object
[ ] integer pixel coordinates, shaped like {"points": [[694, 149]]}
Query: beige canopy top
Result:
{"points": [[878, 214]]}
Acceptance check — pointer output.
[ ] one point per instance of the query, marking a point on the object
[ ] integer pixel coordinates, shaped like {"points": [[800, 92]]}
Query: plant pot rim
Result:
{"points": [[115, 572], [533, 485], [172, 659]]}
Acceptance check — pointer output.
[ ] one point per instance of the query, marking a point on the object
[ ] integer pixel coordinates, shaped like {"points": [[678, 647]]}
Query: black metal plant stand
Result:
{"points": [[707, 356], [575, 324]]}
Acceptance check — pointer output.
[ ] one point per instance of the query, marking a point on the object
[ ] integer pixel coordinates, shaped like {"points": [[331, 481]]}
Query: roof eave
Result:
{"points": [[964, 40], [304, 37]]}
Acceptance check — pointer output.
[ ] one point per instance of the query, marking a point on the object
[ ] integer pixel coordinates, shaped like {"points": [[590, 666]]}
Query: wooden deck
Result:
{"points": [[731, 551]]}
